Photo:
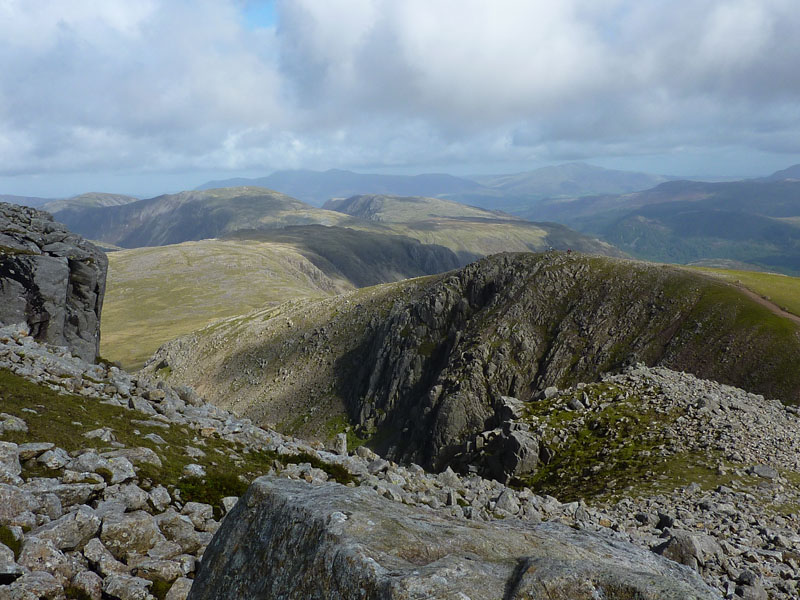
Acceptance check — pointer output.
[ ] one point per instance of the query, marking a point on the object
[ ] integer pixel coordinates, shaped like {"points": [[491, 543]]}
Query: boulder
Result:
{"points": [[288, 539], [10, 468], [55, 288], [130, 534], [71, 531]]}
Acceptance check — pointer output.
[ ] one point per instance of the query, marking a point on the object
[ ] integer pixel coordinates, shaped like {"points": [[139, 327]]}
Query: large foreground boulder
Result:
{"points": [[51, 279], [287, 539]]}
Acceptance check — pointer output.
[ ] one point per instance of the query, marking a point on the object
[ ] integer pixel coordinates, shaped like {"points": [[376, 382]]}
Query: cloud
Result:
{"points": [[179, 84]]}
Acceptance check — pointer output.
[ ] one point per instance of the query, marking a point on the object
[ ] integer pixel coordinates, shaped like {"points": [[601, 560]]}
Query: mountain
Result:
{"points": [[754, 221], [82, 201], [469, 231], [398, 209], [791, 174], [421, 365], [570, 179], [175, 218], [512, 193], [257, 257], [158, 293], [316, 187]]}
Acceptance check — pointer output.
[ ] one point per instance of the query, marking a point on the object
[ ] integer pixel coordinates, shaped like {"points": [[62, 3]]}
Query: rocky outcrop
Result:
{"points": [[740, 537], [433, 374], [285, 539], [51, 279]]}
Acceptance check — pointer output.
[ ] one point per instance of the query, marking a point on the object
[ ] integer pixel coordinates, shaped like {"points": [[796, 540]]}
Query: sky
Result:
{"points": [[152, 96]]}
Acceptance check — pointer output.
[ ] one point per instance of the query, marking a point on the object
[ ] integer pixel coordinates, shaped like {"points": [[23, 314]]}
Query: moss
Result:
{"points": [[7, 538], [73, 593], [614, 451], [6, 250], [427, 348], [159, 589], [340, 424], [211, 489], [336, 472]]}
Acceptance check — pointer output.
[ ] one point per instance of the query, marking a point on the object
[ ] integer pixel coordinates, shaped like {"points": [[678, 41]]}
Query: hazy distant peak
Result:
{"points": [[88, 200], [790, 173]]}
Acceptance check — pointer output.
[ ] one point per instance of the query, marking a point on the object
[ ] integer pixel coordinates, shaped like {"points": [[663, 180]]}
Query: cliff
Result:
{"points": [[50, 279]]}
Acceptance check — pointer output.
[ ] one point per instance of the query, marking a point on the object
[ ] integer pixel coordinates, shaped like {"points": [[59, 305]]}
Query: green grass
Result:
{"points": [[614, 452], [783, 290], [62, 419], [157, 294]]}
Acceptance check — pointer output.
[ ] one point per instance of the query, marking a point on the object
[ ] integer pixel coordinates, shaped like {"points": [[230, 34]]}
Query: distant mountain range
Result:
{"points": [[504, 192], [272, 248], [756, 222], [317, 187]]}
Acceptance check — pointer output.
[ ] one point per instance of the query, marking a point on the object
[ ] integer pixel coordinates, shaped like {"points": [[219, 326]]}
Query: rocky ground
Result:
{"points": [[122, 503]]}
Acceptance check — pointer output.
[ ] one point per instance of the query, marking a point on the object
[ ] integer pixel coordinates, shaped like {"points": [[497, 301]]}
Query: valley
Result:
{"points": [[262, 257]]}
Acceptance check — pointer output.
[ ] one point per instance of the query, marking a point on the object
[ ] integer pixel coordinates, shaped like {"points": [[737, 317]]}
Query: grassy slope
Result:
{"points": [[156, 294], [63, 419], [275, 367], [469, 231], [783, 290], [279, 366]]}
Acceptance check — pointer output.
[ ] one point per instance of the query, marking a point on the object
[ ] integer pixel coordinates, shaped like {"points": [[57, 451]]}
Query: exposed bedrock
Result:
{"points": [[51, 279], [290, 540], [435, 372]]}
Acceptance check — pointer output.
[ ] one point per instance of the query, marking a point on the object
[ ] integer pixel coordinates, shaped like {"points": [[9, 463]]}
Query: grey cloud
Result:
{"points": [[166, 85]]}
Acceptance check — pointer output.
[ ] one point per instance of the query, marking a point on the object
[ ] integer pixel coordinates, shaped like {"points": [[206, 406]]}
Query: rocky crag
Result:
{"points": [[124, 502], [51, 279], [341, 543], [422, 367]]}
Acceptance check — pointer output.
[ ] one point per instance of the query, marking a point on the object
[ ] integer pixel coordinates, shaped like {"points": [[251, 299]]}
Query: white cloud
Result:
{"points": [[186, 84]]}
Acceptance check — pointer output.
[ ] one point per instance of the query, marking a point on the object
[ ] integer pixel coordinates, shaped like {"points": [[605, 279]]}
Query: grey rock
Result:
{"points": [[179, 529], [130, 534], [33, 449], [121, 469], [330, 541], [127, 587], [69, 494], [160, 498], [10, 423], [9, 463], [54, 459], [155, 569], [90, 584], [37, 585], [180, 589], [764, 471], [57, 289], [10, 571], [71, 531], [689, 549], [101, 558], [198, 513], [137, 456], [194, 470], [42, 555]]}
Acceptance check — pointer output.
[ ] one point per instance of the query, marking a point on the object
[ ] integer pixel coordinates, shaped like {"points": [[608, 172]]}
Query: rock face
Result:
{"points": [[51, 279], [285, 539], [434, 372]]}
